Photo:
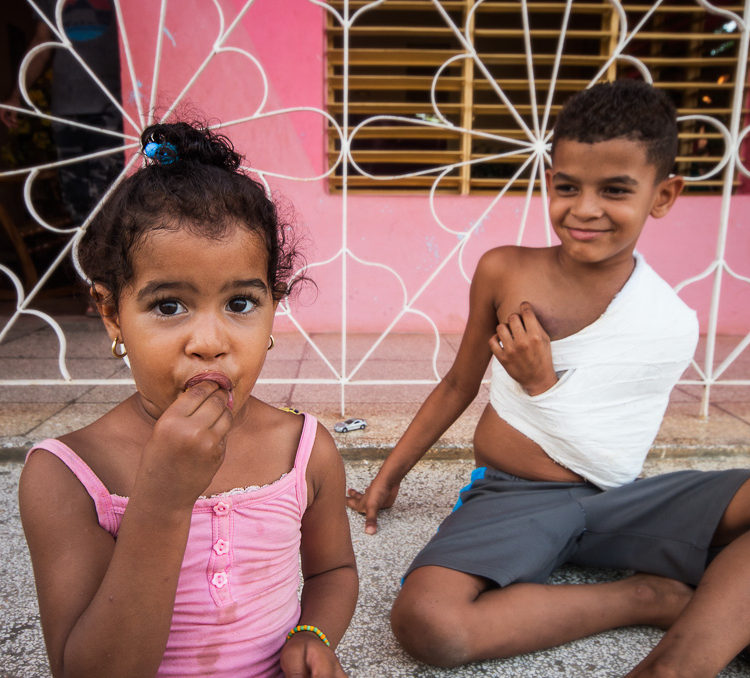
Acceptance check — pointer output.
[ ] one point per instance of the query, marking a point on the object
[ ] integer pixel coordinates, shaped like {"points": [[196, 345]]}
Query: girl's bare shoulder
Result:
{"points": [[111, 446], [326, 465], [324, 450], [281, 429], [102, 433], [260, 426], [259, 419], [50, 480], [109, 426]]}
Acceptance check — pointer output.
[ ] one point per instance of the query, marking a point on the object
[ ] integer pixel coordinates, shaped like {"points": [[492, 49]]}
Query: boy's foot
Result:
{"points": [[665, 597]]}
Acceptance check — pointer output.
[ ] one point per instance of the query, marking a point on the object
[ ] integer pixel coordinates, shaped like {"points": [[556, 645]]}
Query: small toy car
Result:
{"points": [[349, 425]]}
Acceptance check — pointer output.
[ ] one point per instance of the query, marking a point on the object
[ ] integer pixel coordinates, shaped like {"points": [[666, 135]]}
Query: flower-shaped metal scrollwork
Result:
{"points": [[136, 113], [532, 148]]}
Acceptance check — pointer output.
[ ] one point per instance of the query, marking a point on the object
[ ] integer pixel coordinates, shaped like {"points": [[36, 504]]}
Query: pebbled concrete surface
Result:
{"points": [[368, 650]]}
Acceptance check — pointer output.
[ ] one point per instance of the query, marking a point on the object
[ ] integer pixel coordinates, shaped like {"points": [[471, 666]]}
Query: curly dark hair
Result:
{"points": [[630, 109], [193, 181]]}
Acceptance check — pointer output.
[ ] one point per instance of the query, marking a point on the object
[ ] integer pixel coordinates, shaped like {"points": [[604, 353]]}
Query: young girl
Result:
{"points": [[165, 536]]}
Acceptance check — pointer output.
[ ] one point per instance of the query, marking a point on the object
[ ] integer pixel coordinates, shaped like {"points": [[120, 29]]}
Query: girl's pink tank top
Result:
{"points": [[237, 592]]}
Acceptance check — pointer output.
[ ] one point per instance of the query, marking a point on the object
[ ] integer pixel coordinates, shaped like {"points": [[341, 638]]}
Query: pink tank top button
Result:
{"points": [[221, 547], [221, 508], [219, 580]]}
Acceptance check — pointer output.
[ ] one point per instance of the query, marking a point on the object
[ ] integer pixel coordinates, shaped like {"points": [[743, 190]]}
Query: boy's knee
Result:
{"points": [[430, 633]]}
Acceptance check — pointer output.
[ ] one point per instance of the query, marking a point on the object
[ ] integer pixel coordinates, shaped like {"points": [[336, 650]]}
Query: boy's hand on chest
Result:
{"points": [[522, 346], [559, 315]]}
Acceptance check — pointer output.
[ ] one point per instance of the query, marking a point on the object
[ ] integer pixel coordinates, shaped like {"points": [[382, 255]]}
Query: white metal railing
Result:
{"points": [[534, 146]]}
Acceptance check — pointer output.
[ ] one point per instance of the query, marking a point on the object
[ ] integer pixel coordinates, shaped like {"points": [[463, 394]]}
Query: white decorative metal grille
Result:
{"points": [[533, 147]]}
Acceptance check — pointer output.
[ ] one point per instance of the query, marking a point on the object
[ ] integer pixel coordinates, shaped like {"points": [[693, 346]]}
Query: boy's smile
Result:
{"points": [[196, 309], [600, 195]]}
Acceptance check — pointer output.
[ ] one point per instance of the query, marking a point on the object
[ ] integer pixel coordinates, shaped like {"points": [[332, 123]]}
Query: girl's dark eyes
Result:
{"points": [[172, 307], [169, 307], [241, 305]]}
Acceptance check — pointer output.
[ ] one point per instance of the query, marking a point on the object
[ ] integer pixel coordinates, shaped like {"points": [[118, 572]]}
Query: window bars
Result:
{"points": [[433, 98]]}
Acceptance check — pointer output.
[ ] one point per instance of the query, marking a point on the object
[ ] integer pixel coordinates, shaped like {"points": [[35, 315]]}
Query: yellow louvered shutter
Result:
{"points": [[396, 48]]}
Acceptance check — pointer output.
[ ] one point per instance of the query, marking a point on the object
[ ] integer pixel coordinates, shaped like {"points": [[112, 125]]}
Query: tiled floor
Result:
{"points": [[31, 412]]}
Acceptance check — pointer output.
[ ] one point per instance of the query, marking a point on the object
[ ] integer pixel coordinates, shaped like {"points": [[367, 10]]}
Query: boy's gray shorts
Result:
{"points": [[509, 529]]}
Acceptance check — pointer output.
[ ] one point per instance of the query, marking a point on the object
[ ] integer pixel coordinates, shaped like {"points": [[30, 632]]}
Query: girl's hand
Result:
{"points": [[304, 655], [187, 446], [377, 496], [523, 349]]}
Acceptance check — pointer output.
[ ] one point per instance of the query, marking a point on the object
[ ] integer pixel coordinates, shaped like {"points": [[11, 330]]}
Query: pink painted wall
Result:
{"points": [[287, 38]]}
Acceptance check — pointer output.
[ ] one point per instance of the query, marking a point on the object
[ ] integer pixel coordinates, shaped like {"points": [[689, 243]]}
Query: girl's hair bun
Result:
{"points": [[192, 181], [176, 143]]}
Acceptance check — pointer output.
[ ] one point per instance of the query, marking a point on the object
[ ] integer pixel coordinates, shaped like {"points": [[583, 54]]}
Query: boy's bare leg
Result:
{"points": [[715, 626], [447, 618]]}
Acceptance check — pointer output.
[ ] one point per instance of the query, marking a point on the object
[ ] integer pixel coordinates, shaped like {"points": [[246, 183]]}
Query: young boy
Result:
{"points": [[588, 342]]}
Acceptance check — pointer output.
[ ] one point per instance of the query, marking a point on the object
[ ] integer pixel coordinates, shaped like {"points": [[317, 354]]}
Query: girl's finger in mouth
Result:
{"points": [[221, 380]]}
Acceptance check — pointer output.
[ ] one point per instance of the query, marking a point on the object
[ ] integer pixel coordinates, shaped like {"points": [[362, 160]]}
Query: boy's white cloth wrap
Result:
{"points": [[603, 414]]}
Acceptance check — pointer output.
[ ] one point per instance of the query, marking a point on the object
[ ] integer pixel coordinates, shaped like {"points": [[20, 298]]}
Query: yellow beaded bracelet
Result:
{"points": [[312, 629]]}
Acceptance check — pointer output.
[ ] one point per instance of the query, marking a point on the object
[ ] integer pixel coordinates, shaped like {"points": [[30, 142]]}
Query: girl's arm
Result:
{"points": [[329, 594], [106, 604], [98, 598], [448, 400]]}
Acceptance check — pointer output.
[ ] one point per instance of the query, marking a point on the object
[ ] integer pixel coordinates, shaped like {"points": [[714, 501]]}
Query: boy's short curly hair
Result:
{"points": [[194, 182], [629, 109]]}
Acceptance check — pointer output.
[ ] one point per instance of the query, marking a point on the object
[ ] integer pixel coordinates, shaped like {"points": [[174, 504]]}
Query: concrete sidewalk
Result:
{"points": [[368, 650]]}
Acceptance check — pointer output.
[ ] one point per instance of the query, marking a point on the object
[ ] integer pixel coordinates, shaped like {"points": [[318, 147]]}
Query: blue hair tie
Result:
{"points": [[164, 153]]}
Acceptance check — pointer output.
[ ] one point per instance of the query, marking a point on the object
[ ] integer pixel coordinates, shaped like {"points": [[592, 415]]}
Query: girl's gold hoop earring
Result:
{"points": [[115, 352], [271, 342]]}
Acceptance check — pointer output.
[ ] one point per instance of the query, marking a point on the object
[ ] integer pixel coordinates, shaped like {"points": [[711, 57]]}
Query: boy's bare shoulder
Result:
{"points": [[505, 260]]}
